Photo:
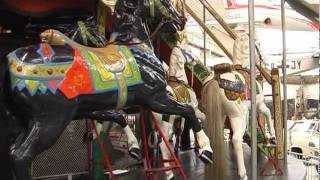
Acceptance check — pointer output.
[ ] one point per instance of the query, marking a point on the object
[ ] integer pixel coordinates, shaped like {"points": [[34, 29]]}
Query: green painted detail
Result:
{"points": [[14, 81], [133, 64], [162, 9], [132, 76], [200, 71], [98, 168], [101, 17], [261, 146], [85, 34], [38, 71], [151, 8], [170, 38], [257, 89], [122, 91], [83, 28]]}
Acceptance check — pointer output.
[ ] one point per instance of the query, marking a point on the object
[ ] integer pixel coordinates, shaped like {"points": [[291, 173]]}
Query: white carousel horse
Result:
{"points": [[177, 61], [224, 95], [241, 56], [220, 103]]}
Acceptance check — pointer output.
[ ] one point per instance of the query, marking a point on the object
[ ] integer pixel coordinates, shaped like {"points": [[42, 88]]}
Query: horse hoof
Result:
{"points": [[206, 156], [273, 141], [170, 176], [244, 177], [134, 153]]}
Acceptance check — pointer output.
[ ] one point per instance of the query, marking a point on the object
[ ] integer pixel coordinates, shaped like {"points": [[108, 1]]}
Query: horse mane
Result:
{"points": [[211, 103]]}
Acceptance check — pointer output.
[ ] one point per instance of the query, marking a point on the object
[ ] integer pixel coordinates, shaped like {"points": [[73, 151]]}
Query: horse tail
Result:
{"points": [[213, 126]]}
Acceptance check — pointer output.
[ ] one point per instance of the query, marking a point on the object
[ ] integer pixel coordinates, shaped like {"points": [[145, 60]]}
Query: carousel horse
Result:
{"points": [[49, 84], [86, 33], [224, 94], [180, 90]]}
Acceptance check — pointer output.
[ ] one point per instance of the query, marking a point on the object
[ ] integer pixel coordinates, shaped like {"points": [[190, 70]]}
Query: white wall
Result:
{"points": [[311, 91]]}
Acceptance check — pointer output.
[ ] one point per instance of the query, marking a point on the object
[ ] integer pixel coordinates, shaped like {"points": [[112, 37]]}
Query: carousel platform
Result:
{"points": [[130, 169], [194, 168]]}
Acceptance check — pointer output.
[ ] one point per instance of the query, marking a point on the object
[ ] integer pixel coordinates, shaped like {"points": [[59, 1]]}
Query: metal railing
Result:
{"points": [[312, 164]]}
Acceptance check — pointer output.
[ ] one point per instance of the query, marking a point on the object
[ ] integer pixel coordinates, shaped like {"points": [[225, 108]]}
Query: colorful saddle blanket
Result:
{"points": [[233, 90], [78, 71]]}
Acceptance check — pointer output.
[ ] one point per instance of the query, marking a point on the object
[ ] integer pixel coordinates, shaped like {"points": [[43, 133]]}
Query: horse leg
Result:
{"points": [[179, 124], [265, 110], [194, 103], [115, 116], [235, 111], [166, 128], [42, 134], [163, 103], [236, 122]]}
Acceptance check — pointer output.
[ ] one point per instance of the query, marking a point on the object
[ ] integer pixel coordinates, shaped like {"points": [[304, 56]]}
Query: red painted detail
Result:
{"points": [[197, 85], [41, 6], [52, 84], [231, 4], [77, 80], [313, 24], [46, 51], [165, 51], [242, 6]]}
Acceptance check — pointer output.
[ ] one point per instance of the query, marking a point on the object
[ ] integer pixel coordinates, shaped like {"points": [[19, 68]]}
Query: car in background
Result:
{"points": [[304, 137]]}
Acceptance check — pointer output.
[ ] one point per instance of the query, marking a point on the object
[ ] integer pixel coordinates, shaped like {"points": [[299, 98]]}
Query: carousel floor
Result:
{"points": [[194, 168]]}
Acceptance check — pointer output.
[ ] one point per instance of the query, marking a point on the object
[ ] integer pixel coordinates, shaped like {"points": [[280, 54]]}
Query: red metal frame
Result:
{"points": [[272, 160], [106, 159], [149, 170]]}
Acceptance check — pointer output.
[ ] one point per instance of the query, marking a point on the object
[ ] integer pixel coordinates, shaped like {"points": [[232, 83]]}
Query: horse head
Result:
{"points": [[173, 19], [241, 51], [53, 37]]}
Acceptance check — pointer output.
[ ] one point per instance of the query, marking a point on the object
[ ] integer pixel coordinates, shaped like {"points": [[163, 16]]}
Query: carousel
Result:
{"points": [[111, 90]]}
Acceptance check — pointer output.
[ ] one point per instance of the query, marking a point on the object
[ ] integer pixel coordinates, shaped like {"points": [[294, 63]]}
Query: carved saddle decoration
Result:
{"points": [[233, 90], [180, 90], [60, 63]]}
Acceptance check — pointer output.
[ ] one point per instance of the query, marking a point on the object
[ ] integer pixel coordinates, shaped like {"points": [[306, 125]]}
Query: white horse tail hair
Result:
{"points": [[213, 126]]}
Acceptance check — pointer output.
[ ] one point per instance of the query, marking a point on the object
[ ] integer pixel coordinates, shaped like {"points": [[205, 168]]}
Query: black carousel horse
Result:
{"points": [[50, 84]]}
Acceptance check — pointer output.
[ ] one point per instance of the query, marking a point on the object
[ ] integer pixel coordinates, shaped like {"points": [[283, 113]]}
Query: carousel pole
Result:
{"points": [[253, 91], [284, 85], [204, 38]]}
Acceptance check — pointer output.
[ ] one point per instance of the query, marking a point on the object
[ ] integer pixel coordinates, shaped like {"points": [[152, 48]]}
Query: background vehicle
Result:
{"points": [[304, 137]]}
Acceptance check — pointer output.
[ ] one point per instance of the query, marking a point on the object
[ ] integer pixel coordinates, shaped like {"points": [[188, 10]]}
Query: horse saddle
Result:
{"points": [[180, 90], [109, 56], [60, 63], [223, 68]]}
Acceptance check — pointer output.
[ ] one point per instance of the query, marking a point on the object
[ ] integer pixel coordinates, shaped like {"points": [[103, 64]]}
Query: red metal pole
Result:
{"points": [[145, 144], [177, 162], [106, 159]]}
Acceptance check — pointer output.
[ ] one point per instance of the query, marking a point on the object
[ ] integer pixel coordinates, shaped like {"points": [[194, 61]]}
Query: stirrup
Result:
{"points": [[206, 157]]}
